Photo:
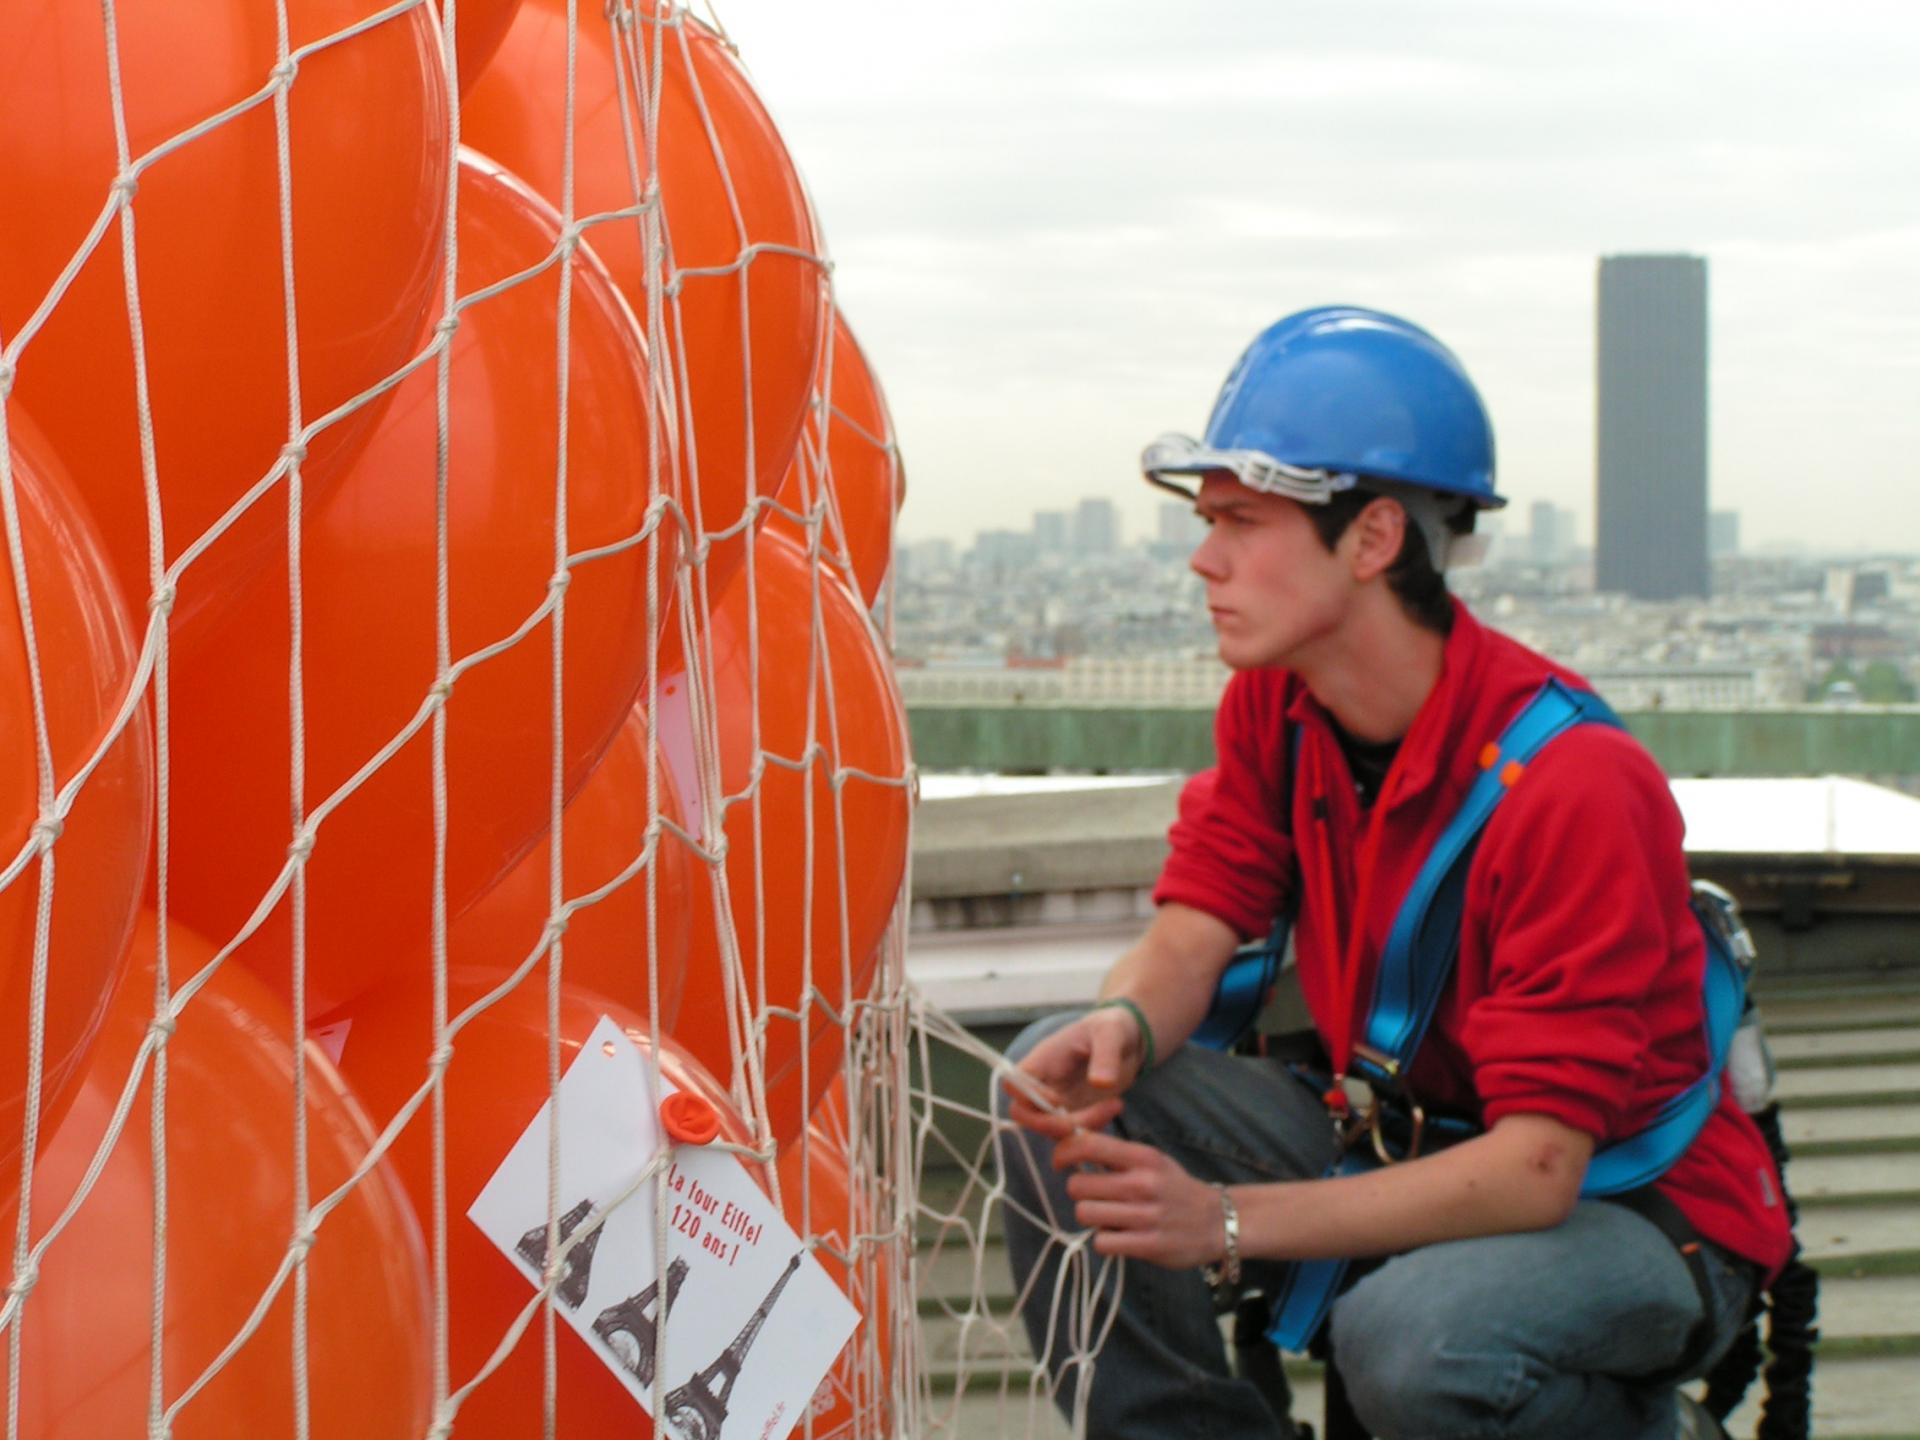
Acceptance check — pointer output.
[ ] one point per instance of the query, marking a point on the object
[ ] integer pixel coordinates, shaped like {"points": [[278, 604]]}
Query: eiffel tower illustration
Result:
{"points": [[699, 1408], [634, 1335], [532, 1248]]}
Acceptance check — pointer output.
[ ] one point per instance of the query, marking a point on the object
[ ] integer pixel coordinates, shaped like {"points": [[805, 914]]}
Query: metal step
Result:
{"points": [[1879, 1083]]}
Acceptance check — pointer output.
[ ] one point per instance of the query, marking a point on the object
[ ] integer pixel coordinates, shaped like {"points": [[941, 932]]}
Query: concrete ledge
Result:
{"points": [[1083, 840]]}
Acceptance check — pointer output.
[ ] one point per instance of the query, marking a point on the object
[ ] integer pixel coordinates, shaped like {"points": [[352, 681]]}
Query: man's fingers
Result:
{"points": [[1051, 1123], [1128, 1185], [1127, 1244], [1098, 1115], [1105, 1058], [1094, 1147], [1114, 1215], [1023, 1089]]}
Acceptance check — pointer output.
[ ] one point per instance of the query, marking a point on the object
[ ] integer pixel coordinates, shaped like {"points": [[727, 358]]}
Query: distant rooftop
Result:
{"points": [[1821, 815]]}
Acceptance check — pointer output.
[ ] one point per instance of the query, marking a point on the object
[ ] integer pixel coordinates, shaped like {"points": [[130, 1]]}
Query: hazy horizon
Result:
{"points": [[1056, 225]]}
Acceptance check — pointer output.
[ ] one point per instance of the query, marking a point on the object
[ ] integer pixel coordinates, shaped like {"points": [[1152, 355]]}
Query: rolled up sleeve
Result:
{"points": [[1230, 854]]}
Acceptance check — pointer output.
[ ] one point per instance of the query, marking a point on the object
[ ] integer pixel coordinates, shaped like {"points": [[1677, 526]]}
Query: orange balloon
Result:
{"points": [[229, 1187], [863, 484], [495, 1084], [368, 649], [821, 1200], [368, 183], [857, 726], [517, 113], [479, 26], [607, 946], [87, 661]]}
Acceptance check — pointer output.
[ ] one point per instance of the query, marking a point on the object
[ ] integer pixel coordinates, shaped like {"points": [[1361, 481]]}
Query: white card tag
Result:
{"points": [[754, 1323]]}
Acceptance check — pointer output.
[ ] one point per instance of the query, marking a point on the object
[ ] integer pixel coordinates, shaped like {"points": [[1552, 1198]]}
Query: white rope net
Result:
{"points": [[441, 618]]}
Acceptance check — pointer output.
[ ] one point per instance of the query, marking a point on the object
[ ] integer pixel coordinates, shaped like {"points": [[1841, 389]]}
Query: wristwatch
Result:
{"points": [[1227, 1272]]}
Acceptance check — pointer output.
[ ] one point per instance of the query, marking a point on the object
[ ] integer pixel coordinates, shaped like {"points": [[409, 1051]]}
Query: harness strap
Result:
{"points": [[1308, 1290], [1418, 958], [1651, 1205], [1418, 961]]}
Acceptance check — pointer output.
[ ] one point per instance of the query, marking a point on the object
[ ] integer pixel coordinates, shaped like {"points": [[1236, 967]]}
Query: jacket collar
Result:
{"points": [[1425, 749]]}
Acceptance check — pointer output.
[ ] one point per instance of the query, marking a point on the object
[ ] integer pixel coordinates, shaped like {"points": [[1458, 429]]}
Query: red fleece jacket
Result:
{"points": [[1578, 989]]}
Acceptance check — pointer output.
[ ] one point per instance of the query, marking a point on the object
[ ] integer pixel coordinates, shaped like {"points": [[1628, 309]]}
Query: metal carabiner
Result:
{"points": [[1419, 1118]]}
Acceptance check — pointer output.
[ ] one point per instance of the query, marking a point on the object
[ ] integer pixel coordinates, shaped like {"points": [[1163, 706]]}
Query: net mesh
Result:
{"points": [[890, 1180]]}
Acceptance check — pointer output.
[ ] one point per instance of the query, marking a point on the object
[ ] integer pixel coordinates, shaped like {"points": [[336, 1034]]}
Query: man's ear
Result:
{"points": [[1375, 536]]}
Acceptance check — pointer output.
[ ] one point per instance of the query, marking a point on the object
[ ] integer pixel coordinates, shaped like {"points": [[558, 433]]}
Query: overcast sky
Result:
{"points": [[1055, 224]]}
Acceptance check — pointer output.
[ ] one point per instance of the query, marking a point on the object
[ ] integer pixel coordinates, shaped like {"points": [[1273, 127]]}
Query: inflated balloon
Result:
{"points": [[368, 186], [830, 706], [607, 946], [368, 641], [87, 659], [496, 1082], [517, 114], [818, 1193], [479, 27], [863, 486], [229, 1187]]}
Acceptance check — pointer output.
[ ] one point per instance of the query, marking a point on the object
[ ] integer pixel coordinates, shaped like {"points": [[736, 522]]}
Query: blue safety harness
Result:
{"points": [[1416, 965]]}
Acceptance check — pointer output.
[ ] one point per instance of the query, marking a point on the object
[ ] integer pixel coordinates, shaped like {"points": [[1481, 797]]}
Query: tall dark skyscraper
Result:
{"points": [[1651, 482]]}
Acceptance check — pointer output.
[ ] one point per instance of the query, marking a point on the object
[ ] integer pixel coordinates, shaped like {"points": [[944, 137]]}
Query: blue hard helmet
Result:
{"points": [[1336, 395]]}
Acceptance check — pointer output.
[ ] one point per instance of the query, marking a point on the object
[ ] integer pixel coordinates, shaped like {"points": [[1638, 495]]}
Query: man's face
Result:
{"points": [[1274, 592]]}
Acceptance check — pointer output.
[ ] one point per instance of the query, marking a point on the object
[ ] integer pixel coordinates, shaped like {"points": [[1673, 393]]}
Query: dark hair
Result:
{"points": [[1420, 589]]}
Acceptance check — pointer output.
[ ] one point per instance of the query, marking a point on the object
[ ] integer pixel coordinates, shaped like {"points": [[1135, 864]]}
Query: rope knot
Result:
{"points": [[294, 451], [441, 691], [302, 846], [23, 1281], [560, 581], [283, 73], [448, 324], [162, 1027], [6, 378], [440, 1059], [302, 1242], [161, 601], [46, 830], [125, 187]]}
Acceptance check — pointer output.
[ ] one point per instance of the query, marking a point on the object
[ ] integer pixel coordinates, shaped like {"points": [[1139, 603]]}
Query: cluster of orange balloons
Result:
{"points": [[444, 575]]}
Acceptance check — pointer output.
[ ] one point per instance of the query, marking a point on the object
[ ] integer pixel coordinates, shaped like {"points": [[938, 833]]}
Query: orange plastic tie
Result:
{"points": [[1489, 755], [689, 1120], [1511, 772]]}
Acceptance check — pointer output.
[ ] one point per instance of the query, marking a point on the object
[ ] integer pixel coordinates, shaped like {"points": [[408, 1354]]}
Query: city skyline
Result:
{"points": [[1055, 226]]}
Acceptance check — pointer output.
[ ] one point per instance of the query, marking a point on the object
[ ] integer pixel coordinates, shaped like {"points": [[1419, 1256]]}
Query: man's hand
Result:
{"points": [[1139, 1202], [1094, 1058]]}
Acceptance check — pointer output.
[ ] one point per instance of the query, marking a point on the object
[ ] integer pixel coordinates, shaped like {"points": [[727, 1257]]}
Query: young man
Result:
{"points": [[1343, 464]]}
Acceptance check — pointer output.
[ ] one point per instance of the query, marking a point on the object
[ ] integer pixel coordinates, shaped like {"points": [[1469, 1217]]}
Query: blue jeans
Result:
{"points": [[1564, 1333]]}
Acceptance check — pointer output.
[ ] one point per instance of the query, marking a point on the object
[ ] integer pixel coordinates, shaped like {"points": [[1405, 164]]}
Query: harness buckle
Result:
{"points": [[1417, 1128], [1386, 1064]]}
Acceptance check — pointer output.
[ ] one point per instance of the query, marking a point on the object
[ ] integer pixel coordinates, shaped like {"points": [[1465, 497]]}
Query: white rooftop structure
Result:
{"points": [[1827, 815], [995, 972]]}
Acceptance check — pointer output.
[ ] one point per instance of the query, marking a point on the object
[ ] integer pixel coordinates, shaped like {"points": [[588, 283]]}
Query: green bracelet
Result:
{"points": [[1140, 1019]]}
